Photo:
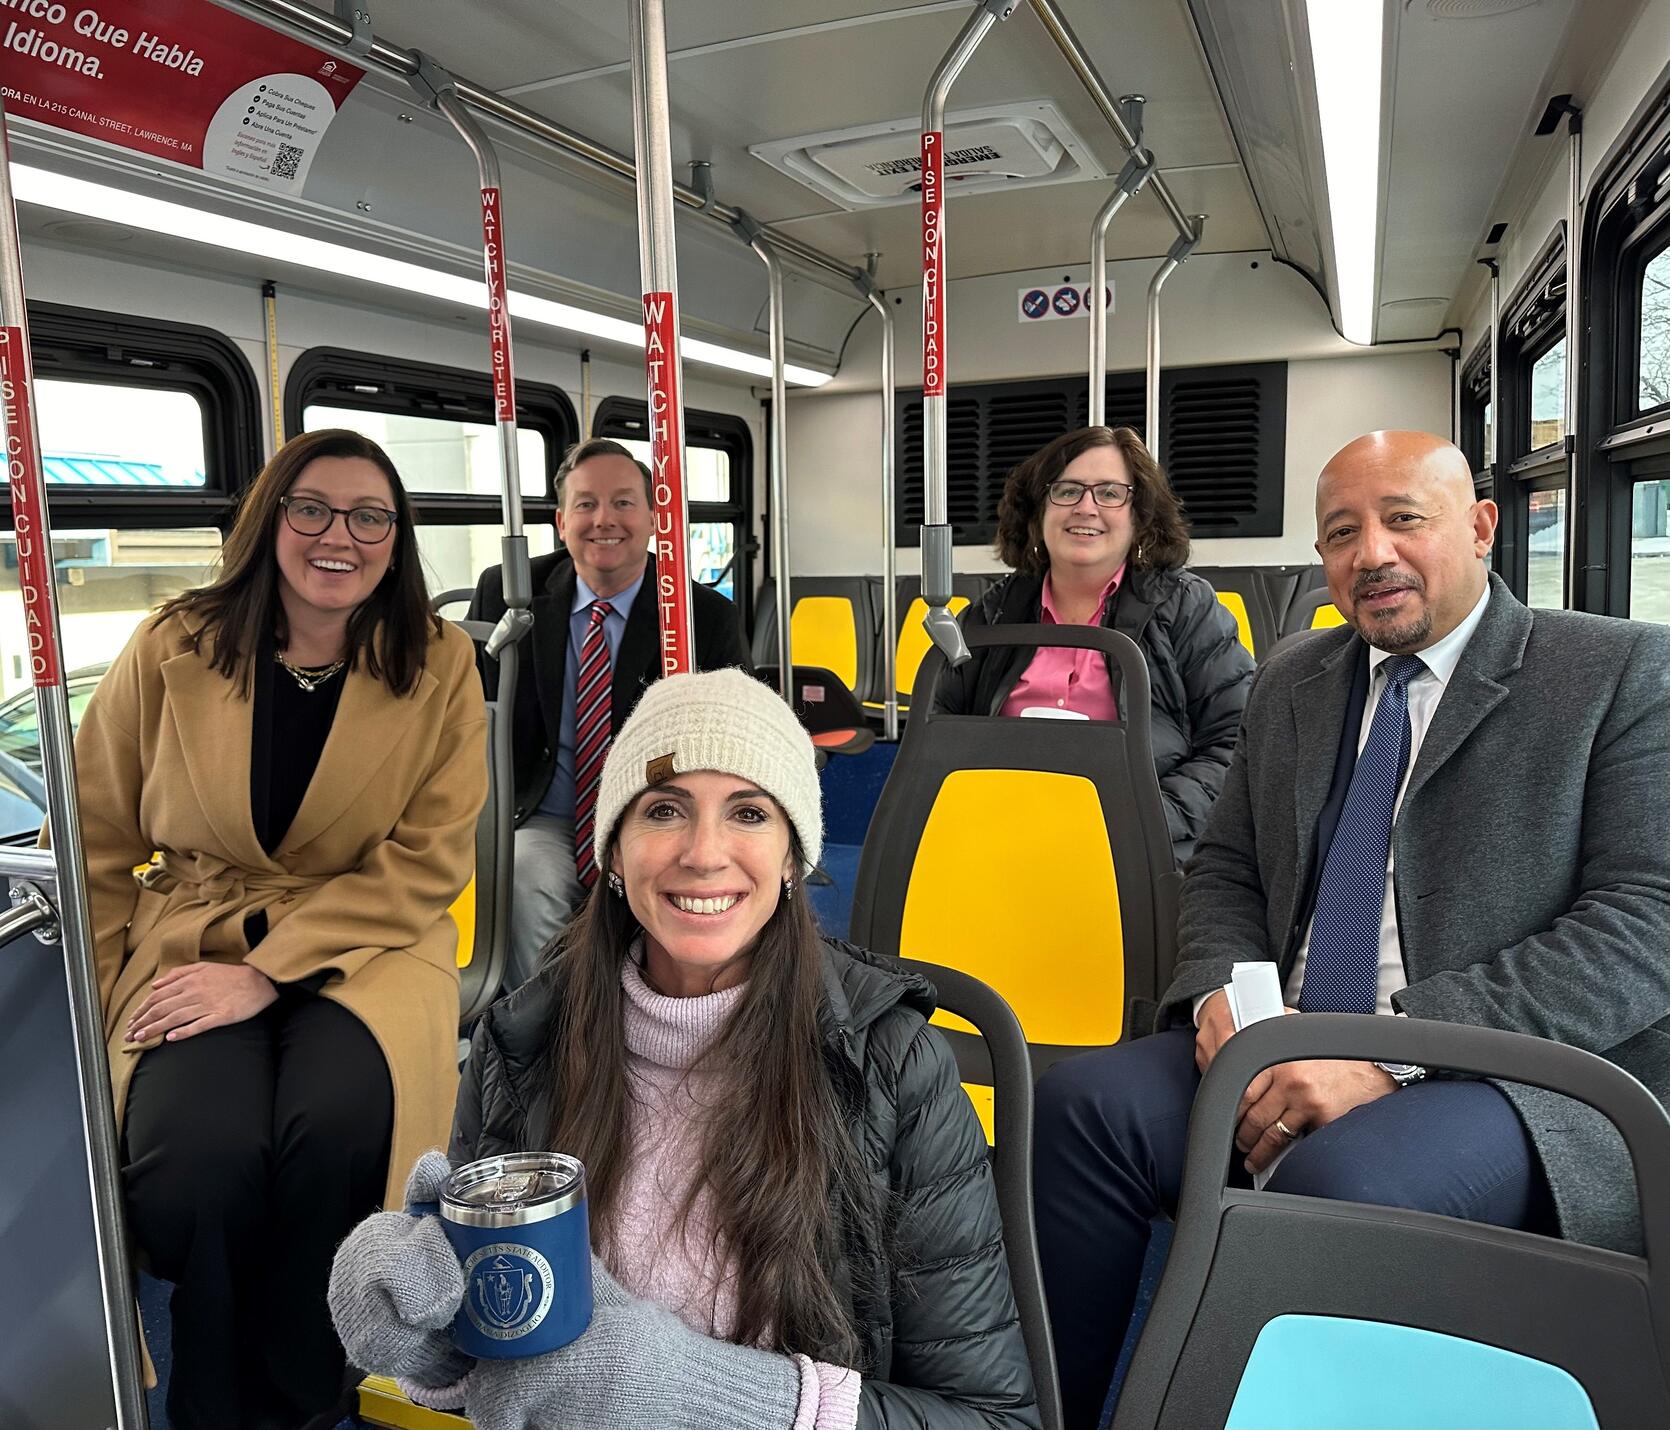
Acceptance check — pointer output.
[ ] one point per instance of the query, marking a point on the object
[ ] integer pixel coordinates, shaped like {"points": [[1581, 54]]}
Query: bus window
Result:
{"points": [[1649, 552], [440, 456], [97, 434], [454, 556], [1653, 350], [1548, 397], [1545, 563]]}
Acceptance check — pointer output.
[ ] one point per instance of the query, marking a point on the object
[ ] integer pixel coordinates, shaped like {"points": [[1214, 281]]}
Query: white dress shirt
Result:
{"points": [[1425, 692]]}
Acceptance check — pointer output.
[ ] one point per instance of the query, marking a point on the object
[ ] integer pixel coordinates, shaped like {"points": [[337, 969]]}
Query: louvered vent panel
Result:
{"points": [[1225, 444], [1212, 451]]}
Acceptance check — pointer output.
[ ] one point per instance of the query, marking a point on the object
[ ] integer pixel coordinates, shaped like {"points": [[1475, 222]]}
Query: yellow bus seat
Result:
{"points": [[1325, 616], [463, 919], [1233, 602], [823, 631], [831, 625]]}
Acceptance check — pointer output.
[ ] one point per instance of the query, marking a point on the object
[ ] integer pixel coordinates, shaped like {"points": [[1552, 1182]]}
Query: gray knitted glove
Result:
{"points": [[396, 1285], [637, 1367]]}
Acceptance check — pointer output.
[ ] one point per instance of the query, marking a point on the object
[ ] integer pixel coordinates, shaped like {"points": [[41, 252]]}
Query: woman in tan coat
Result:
{"points": [[296, 754]]}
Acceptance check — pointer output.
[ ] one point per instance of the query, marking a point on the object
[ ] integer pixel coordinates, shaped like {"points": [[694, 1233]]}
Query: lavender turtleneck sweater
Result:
{"points": [[652, 1255]]}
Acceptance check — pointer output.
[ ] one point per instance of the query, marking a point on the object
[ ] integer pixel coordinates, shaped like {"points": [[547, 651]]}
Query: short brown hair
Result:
{"points": [[597, 447], [1162, 539]]}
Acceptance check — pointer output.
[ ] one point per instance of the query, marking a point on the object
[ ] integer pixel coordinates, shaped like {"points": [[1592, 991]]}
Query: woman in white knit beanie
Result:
{"points": [[791, 1206]]}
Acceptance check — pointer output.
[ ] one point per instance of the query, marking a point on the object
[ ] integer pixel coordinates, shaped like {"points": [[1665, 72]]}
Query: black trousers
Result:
{"points": [[249, 1152]]}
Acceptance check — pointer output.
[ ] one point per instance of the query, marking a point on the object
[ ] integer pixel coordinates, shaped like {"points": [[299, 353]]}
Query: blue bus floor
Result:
{"points": [[851, 786], [153, 1315]]}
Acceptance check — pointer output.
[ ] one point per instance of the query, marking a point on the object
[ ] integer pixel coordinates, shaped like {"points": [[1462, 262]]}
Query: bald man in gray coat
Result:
{"points": [[1453, 808]]}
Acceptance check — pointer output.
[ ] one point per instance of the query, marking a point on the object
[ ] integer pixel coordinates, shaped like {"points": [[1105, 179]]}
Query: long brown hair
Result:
{"points": [[389, 631], [1160, 538], [784, 1177]]}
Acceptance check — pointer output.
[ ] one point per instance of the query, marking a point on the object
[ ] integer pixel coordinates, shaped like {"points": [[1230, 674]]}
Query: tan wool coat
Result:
{"points": [[358, 890]]}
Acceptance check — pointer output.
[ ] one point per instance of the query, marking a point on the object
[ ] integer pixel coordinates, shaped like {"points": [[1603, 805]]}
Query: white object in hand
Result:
{"points": [[1254, 993]]}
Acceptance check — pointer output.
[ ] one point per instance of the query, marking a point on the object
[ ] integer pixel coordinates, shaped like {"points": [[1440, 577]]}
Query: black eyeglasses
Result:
{"points": [[368, 525], [1105, 493]]}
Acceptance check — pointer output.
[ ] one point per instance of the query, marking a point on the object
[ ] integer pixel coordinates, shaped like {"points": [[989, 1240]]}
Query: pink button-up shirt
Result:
{"points": [[1064, 679]]}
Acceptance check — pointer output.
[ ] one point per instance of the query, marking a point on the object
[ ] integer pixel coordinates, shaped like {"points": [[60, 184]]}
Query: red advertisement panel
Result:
{"points": [[933, 267], [34, 558], [666, 442], [492, 234], [177, 79]]}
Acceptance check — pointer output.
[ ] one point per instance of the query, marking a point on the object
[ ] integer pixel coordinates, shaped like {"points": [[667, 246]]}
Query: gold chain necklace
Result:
{"points": [[310, 679]]}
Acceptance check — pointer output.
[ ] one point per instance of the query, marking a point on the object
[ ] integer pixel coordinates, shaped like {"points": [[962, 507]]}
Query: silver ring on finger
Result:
{"points": [[1286, 1131]]}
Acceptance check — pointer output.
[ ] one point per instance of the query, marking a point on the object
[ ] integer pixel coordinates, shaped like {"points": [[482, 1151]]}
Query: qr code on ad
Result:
{"points": [[288, 162]]}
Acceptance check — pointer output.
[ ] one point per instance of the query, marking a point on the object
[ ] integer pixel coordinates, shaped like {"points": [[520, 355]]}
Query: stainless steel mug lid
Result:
{"points": [[513, 1190]]}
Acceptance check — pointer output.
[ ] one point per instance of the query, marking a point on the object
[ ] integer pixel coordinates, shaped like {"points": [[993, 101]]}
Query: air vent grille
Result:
{"points": [[1225, 445]]}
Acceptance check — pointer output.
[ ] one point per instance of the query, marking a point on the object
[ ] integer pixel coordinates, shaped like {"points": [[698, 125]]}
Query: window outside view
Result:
{"points": [[438, 456], [1545, 564]]}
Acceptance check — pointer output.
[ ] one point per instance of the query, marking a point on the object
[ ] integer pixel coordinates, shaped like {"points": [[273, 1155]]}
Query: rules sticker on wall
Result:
{"points": [[175, 79], [23, 469]]}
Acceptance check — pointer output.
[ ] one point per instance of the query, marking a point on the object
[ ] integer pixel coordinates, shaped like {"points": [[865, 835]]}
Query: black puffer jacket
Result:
{"points": [[943, 1343], [1199, 671]]}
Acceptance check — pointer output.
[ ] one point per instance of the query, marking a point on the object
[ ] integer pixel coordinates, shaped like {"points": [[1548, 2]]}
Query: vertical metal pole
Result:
{"points": [[1495, 371], [40, 605], [754, 236], [1131, 179], [1180, 251], [275, 394], [442, 92], [658, 263], [1574, 340], [889, 519], [941, 625]]}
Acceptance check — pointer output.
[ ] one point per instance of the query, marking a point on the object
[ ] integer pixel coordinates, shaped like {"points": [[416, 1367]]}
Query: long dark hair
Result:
{"points": [[782, 1172], [389, 631], [1160, 538]]}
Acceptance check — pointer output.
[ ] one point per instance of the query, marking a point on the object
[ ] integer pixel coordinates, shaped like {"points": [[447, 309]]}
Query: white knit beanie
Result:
{"points": [[720, 720]]}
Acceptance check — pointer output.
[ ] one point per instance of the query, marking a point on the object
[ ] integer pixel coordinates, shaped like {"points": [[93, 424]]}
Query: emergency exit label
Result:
{"points": [[1039, 303]]}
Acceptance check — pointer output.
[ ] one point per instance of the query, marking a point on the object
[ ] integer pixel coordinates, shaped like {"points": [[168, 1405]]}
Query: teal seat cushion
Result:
{"points": [[1339, 1373]]}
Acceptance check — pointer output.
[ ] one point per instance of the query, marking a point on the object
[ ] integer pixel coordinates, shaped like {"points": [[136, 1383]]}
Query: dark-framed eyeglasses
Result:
{"points": [[1065, 493], [368, 525]]}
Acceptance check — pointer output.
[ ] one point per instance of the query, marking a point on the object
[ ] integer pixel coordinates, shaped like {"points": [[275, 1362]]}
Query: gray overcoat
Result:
{"points": [[1532, 860]]}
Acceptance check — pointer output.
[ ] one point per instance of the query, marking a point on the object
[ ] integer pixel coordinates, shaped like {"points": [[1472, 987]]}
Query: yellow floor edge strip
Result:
{"points": [[381, 1403]]}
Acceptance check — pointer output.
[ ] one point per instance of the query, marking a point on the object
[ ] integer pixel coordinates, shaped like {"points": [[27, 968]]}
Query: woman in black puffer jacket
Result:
{"points": [[793, 1219], [1096, 538]]}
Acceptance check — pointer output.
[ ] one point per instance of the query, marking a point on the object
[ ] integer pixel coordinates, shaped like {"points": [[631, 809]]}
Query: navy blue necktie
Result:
{"points": [[1342, 965]]}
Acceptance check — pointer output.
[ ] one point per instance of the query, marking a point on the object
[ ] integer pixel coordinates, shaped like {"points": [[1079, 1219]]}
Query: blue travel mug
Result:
{"points": [[518, 1224]]}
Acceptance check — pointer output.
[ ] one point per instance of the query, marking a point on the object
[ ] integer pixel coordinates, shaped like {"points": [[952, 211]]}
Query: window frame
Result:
{"points": [[121, 350], [399, 387], [1626, 224], [628, 417]]}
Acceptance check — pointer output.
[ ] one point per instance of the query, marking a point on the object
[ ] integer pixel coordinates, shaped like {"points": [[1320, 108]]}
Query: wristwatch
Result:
{"points": [[1403, 1074]]}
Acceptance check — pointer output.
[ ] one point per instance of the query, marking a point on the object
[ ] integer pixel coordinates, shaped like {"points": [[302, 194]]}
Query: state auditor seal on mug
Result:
{"points": [[518, 1224]]}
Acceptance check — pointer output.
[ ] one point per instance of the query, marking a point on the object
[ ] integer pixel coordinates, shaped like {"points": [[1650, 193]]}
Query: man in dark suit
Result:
{"points": [[595, 648], [1452, 808]]}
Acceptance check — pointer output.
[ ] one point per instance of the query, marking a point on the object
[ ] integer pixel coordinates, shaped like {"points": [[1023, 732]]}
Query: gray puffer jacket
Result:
{"points": [[1199, 671], [942, 1340]]}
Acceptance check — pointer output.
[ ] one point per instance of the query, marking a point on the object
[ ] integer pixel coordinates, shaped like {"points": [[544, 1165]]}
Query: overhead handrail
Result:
{"points": [[1139, 168], [940, 624], [1179, 254], [336, 36], [440, 91], [1056, 26], [889, 518], [33, 529], [754, 235], [663, 367]]}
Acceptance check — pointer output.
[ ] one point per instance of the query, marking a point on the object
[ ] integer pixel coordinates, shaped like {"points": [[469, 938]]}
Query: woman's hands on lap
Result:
{"points": [[199, 996]]}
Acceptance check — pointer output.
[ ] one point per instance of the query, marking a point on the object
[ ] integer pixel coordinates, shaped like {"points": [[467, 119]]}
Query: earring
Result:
{"points": [[788, 890], [617, 885]]}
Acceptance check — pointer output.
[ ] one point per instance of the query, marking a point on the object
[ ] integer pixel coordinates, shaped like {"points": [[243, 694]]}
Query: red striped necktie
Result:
{"points": [[591, 737]]}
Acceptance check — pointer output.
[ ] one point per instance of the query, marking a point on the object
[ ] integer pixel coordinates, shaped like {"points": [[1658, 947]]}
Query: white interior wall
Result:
{"points": [[1609, 108], [1218, 308]]}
